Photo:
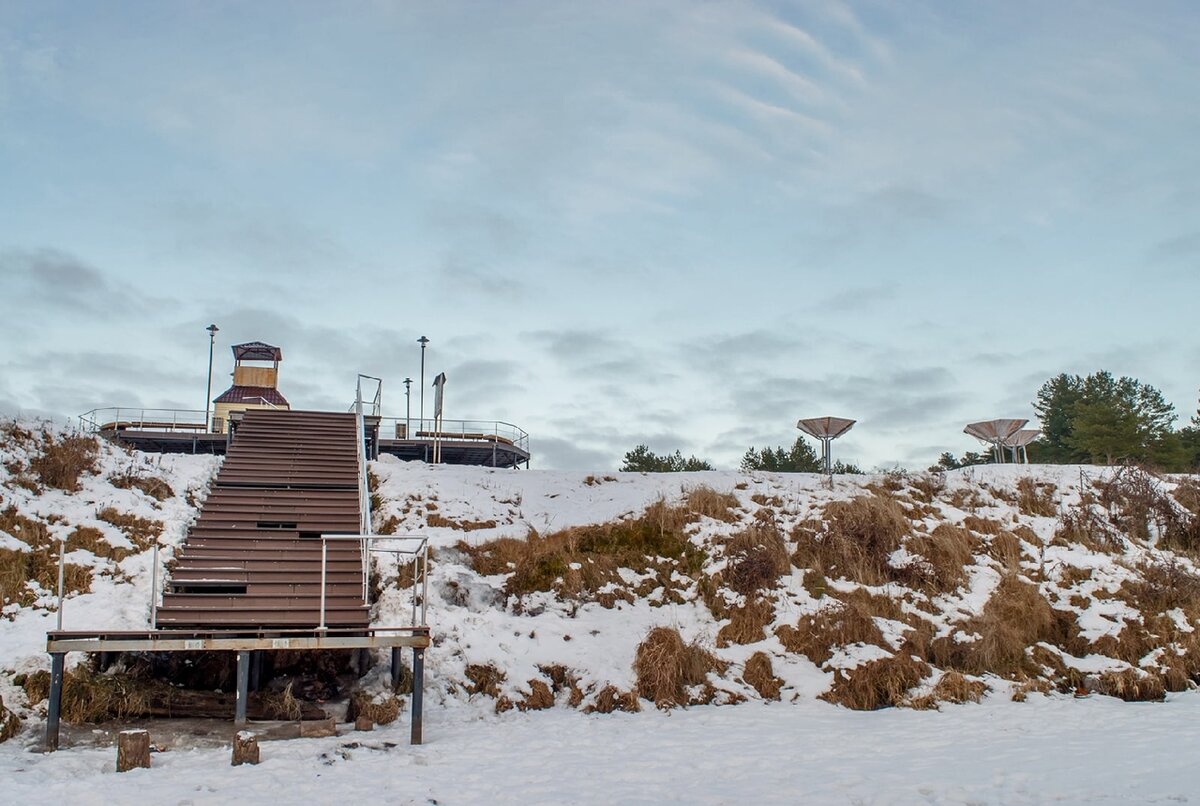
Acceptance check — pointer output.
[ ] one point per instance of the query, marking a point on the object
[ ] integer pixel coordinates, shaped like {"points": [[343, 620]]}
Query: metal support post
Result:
{"points": [[243, 686], [417, 692], [55, 706], [395, 667]]}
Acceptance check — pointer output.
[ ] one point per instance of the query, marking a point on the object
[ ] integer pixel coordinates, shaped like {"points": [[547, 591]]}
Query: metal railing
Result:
{"points": [[117, 418], [419, 430], [415, 545]]}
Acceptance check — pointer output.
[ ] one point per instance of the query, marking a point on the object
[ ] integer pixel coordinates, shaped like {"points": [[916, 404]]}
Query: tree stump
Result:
{"points": [[133, 750], [245, 748], [364, 722]]}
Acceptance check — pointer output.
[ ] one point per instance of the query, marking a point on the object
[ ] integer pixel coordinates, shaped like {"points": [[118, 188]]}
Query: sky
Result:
{"points": [[684, 224]]}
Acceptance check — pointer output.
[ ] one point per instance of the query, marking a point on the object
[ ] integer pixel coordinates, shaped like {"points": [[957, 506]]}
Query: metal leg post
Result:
{"points": [[243, 686], [55, 706], [418, 691]]}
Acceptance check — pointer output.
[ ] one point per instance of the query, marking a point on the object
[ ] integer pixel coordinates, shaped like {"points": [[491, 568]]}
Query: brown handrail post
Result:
{"points": [[55, 705], [417, 691]]}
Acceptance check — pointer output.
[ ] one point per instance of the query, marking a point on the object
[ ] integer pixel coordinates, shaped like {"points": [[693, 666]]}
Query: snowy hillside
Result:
{"points": [[602, 592]]}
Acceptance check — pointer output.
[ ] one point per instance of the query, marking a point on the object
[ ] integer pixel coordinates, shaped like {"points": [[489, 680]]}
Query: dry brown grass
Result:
{"points": [[9, 724], [1014, 618], [928, 486], [747, 624], [1131, 685], [757, 558], [142, 532], [382, 710], [485, 679], [1006, 549], [133, 479], [88, 697], [704, 501], [89, 538], [859, 536], [1036, 498], [666, 666], [577, 562], [563, 679], [435, 520], [39, 564], [610, 699], [819, 634], [946, 551], [62, 460], [284, 705], [761, 677], [876, 684], [539, 698], [954, 687], [968, 499], [983, 526]]}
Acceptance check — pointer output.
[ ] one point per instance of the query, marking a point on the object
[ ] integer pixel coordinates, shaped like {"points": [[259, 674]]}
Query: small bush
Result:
{"points": [[953, 687], [666, 666], [1084, 525], [761, 677], [704, 501], [62, 460], [876, 684], [758, 557]]}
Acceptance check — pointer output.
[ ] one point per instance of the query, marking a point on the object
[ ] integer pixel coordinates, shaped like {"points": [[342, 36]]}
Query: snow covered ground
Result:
{"points": [[1051, 748], [1048, 750]]}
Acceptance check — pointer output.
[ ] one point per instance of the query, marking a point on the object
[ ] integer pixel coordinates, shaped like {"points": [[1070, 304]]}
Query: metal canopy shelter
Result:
{"points": [[826, 430]]}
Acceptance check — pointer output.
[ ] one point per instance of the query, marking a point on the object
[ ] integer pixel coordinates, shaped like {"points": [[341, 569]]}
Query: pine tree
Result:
{"points": [[642, 459], [1104, 419]]}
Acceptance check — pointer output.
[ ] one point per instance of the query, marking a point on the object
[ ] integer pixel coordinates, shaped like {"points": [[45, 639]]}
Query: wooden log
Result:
{"points": [[315, 728], [363, 722], [245, 748], [133, 750], [211, 705]]}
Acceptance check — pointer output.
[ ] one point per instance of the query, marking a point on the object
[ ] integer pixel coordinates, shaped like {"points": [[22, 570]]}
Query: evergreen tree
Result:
{"points": [[642, 459], [1103, 419], [800, 458], [948, 461]]}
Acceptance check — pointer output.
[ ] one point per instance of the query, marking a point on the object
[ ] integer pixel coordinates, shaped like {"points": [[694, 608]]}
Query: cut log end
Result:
{"points": [[245, 748], [133, 750]]}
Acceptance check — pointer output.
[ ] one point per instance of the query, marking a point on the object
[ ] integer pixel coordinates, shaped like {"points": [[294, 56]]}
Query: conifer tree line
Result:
{"points": [[1097, 419]]}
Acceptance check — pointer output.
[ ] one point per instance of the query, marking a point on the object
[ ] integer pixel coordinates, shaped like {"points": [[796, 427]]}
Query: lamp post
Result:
{"points": [[422, 341], [212, 340], [407, 408]]}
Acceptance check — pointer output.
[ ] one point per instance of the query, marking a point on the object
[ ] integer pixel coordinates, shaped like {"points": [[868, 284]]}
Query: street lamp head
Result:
{"points": [[212, 329], [423, 341]]}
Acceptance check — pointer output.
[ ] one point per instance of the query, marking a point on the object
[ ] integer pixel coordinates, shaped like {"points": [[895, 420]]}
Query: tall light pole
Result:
{"points": [[422, 341], [212, 340], [407, 408]]}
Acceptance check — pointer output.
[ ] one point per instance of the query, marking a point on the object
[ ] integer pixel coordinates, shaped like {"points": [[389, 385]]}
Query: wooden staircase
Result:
{"points": [[253, 557]]}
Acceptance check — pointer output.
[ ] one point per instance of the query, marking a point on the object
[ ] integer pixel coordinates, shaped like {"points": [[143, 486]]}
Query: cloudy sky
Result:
{"points": [[679, 223]]}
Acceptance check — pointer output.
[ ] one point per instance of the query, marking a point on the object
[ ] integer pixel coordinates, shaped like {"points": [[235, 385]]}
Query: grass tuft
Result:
{"points": [[876, 684], [666, 667], [761, 677]]}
